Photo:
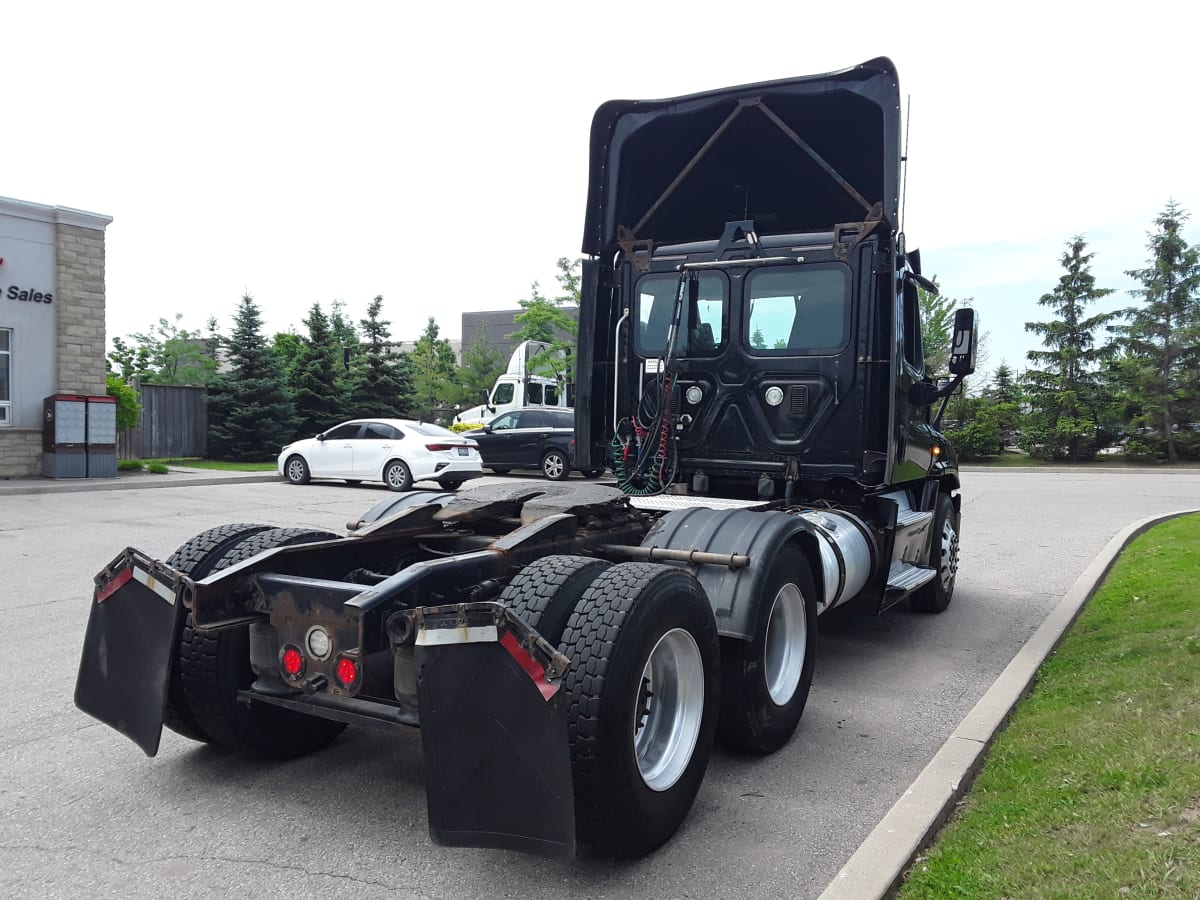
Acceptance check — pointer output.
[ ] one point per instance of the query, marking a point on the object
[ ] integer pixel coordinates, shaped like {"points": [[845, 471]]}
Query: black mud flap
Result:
{"points": [[128, 646], [494, 733]]}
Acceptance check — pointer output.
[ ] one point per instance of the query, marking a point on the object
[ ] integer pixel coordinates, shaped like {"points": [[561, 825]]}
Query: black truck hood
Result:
{"points": [[678, 169]]}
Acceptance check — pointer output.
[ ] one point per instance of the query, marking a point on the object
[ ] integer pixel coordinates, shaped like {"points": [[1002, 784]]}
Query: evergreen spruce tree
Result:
{"points": [[1162, 336], [250, 410], [347, 347], [319, 404], [383, 387], [432, 365], [1067, 392]]}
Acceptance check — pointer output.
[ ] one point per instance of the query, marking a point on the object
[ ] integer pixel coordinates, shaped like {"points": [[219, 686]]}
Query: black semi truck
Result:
{"points": [[750, 368]]}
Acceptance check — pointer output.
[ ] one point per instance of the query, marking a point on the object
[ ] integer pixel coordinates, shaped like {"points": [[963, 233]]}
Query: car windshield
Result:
{"points": [[430, 430]]}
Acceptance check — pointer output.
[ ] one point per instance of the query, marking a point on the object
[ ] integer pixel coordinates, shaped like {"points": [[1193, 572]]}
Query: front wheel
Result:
{"points": [[765, 681], [935, 596], [397, 476], [295, 470], [642, 698], [555, 466]]}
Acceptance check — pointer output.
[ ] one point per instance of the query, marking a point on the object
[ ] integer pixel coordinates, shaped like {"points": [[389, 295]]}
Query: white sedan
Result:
{"points": [[395, 451]]}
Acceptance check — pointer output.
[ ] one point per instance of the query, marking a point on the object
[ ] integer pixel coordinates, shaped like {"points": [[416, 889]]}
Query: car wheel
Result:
{"points": [[451, 484], [592, 473], [555, 466], [500, 470], [295, 470], [397, 476]]}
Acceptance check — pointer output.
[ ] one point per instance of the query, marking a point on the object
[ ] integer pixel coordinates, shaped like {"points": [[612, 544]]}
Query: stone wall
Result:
{"points": [[79, 301], [20, 452]]}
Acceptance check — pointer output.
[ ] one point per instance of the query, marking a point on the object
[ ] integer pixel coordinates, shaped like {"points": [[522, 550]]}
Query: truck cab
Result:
{"points": [[524, 383], [750, 312]]}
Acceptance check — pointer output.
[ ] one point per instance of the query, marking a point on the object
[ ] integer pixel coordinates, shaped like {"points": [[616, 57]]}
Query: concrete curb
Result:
{"points": [[139, 482], [879, 863]]}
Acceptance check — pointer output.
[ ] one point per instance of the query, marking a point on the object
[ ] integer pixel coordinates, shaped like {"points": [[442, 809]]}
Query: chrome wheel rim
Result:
{"points": [[948, 564], [295, 469], [787, 639], [669, 707], [553, 466], [395, 475]]}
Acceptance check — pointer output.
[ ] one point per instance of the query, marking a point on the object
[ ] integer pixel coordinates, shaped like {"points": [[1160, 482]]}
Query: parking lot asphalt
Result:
{"points": [[84, 811]]}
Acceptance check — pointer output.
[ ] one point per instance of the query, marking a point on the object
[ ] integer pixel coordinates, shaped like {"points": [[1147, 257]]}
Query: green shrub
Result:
{"points": [[460, 427], [157, 468], [977, 440], [130, 465]]}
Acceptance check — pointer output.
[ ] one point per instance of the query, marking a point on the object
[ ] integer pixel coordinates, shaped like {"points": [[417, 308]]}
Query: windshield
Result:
{"points": [[430, 430]]}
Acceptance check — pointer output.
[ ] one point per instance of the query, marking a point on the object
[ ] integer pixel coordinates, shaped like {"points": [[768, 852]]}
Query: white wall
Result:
{"points": [[27, 249]]}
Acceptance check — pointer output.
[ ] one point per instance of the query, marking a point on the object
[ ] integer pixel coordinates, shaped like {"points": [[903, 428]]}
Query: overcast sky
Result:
{"points": [[437, 153]]}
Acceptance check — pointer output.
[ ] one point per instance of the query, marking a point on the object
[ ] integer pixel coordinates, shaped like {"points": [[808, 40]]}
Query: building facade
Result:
{"points": [[51, 320]]}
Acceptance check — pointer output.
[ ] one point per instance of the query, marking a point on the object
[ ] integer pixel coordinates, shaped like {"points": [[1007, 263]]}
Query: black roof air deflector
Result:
{"points": [[681, 168]]}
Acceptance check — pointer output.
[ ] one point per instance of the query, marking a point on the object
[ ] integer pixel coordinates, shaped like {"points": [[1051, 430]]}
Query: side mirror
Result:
{"points": [[487, 401], [321, 436], [965, 342], [487, 429]]}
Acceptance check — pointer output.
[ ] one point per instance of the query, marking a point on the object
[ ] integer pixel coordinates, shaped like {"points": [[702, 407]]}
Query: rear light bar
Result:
{"points": [[469, 444]]}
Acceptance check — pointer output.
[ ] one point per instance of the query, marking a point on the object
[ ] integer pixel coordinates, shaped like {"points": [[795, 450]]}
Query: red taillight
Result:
{"points": [[292, 662], [346, 671], [442, 446]]}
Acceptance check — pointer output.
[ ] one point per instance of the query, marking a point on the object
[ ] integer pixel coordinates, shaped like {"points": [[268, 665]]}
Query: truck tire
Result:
{"points": [[642, 694], [214, 666], [935, 596], [765, 681], [544, 594], [196, 559]]}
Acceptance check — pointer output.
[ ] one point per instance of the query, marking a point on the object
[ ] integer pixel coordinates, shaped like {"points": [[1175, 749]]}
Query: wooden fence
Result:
{"points": [[174, 423]]}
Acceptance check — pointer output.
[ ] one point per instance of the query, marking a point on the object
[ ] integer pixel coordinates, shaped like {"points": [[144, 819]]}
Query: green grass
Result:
{"points": [[1115, 461], [130, 465], [219, 464], [1093, 789]]}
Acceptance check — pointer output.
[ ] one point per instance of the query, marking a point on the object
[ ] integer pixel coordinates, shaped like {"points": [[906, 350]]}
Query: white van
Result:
{"points": [[517, 389]]}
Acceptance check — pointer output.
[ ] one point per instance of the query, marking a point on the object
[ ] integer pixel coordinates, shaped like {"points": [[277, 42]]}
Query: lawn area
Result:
{"points": [[1093, 789], [219, 464]]}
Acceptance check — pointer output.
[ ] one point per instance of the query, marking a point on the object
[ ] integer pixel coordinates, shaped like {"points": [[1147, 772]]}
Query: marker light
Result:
{"points": [[318, 642], [774, 396], [292, 662], [694, 395], [937, 451], [346, 671]]}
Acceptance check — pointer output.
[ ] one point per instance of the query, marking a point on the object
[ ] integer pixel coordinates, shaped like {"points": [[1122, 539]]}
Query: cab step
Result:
{"points": [[903, 579]]}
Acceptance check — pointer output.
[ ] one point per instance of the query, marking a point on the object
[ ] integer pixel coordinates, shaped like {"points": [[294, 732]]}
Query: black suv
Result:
{"points": [[531, 439]]}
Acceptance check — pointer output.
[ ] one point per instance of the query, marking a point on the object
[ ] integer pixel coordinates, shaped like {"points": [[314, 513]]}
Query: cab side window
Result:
{"points": [[913, 351], [504, 394], [506, 422]]}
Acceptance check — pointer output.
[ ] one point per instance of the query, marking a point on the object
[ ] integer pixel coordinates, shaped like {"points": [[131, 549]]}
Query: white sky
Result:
{"points": [[437, 153]]}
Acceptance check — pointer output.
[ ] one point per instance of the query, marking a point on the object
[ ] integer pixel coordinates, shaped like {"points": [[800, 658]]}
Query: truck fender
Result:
{"points": [[735, 593]]}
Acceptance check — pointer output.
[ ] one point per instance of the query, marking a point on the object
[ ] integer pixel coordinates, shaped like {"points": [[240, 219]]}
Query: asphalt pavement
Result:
{"points": [[83, 811]]}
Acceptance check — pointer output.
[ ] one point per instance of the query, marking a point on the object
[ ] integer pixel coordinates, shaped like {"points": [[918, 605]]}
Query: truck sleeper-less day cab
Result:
{"points": [[750, 329], [521, 385]]}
